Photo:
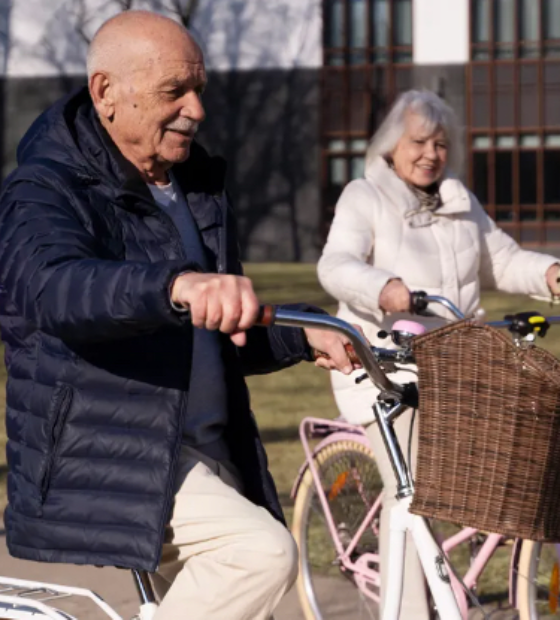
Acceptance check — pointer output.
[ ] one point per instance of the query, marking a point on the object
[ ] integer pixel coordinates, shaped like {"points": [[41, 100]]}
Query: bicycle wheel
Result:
{"points": [[538, 581], [351, 483]]}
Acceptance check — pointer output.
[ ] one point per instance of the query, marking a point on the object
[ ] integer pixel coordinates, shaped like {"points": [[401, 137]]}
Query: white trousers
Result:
{"points": [[224, 558]]}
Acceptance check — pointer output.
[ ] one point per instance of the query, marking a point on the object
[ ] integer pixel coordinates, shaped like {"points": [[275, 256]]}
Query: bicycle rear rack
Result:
{"points": [[19, 596]]}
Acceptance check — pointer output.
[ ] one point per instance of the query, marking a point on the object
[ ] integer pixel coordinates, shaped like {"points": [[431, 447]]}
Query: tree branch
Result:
{"points": [[81, 21], [184, 9], [124, 5]]}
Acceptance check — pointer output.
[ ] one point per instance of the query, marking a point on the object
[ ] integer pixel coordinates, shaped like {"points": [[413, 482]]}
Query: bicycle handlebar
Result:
{"points": [[520, 324], [419, 301], [290, 318], [359, 350]]}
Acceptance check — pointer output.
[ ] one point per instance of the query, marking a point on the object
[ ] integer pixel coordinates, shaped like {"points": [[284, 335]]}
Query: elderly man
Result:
{"points": [[128, 328]]}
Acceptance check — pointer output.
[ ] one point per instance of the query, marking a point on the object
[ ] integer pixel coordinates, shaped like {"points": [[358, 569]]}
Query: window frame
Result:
{"points": [[544, 229], [383, 80]]}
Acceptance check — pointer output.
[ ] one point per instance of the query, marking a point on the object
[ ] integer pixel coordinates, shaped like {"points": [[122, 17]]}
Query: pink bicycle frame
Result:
{"points": [[343, 431]]}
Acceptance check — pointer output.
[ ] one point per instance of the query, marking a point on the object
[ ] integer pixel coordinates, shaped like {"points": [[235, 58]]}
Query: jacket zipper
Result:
{"points": [[175, 235], [56, 433], [222, 250], [168, 498]]}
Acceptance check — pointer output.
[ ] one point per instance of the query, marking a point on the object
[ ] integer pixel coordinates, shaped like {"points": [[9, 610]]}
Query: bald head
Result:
{"points": [[133, 40], [146, 77]]}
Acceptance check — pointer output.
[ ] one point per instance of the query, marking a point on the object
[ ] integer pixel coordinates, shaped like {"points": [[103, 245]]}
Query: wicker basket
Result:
{"points": [[489, 446]]}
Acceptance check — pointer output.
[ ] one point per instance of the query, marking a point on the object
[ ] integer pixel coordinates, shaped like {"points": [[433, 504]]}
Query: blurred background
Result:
{"points": [[297, 87]]}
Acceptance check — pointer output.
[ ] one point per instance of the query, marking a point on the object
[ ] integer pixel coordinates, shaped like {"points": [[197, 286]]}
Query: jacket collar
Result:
{"points": [[198, 177], [454, 196]]}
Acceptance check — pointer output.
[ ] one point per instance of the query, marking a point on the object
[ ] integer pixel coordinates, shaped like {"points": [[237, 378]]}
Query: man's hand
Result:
{"points": [[332, 344], [394, 297], [217, 301], [552, 274]]}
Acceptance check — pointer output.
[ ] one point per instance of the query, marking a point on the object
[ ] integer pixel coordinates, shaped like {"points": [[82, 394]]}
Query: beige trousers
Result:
{"points": [[355, 403], [224, 558]]}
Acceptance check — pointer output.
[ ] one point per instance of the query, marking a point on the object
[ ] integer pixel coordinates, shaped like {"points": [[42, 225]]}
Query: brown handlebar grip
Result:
{"points": [[349, 351], [266, 315]]}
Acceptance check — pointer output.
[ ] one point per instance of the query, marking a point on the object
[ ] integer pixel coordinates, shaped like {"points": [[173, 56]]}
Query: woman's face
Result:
{"points": [[420, 158]]}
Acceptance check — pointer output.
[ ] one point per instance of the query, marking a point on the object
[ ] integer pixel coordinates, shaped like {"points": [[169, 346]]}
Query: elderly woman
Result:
{"points": [[411, 225]]}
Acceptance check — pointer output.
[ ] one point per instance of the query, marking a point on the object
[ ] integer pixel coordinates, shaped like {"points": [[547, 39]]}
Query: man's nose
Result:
{"points": [[193, 108]]}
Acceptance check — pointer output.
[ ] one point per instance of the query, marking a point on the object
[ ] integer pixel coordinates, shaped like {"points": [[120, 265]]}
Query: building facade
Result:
{"points": [[297, 87]]}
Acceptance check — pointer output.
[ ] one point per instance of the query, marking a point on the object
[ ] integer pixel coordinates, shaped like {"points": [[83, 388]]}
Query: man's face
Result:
{"points": [[158, 108]]}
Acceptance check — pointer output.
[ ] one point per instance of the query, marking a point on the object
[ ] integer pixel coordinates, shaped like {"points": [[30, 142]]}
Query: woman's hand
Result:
{"points": [[552, 274], [394, 297]]}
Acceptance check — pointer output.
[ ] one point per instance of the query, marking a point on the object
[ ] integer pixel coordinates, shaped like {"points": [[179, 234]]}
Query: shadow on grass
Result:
{"points": [[285, 501], [277, 435], [3, 476]]}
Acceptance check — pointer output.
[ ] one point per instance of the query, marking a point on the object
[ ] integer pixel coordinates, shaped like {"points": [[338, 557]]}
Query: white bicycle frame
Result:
{"points": [[401, 520], [431, 558], [21, 599]]}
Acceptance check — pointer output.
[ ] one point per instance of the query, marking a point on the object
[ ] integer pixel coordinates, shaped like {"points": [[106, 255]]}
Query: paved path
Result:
{"points": [[117, 588]]}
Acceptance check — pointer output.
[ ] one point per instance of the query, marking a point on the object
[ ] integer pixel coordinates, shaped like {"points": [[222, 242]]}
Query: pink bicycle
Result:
{"points": [[338, 501]]}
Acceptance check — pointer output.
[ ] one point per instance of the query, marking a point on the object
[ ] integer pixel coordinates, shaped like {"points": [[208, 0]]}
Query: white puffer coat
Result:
{"points": [[452, 252]]}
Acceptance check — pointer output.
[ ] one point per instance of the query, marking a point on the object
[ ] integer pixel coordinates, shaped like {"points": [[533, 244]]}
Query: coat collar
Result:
{"points": [[454, 196], [69, 134], [198, 177]]}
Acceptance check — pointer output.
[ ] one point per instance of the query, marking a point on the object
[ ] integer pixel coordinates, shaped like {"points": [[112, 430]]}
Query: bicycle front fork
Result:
{"points": [[431, 558]]}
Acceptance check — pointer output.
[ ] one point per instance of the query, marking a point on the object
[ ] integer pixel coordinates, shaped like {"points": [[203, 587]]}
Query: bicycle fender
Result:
{"points": [[332, 438]]}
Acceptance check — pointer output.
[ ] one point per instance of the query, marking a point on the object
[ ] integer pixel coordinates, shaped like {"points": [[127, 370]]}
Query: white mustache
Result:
{"points": [[184, 125]]}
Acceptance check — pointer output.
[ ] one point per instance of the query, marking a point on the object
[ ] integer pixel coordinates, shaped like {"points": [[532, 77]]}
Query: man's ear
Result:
{"points": [[102, 91]]}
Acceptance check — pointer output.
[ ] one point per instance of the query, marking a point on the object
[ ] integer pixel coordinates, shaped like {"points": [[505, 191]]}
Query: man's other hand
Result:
{"points": [[217, 301], [332, 344]]}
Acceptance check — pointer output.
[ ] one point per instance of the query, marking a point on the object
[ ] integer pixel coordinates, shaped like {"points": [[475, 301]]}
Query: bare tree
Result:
{"points": [[84, 15], [183, 10], [83, 18], [124, 5]]}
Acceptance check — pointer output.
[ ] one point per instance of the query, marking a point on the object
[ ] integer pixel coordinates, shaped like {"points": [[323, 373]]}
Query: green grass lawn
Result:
{"points": [[281, 400]]}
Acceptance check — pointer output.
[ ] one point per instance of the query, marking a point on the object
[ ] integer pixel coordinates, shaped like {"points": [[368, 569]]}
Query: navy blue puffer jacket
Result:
{"points": [[98, 362]]}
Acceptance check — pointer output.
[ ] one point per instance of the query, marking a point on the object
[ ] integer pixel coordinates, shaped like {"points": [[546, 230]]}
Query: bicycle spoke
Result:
{"points": [[351, 484]]}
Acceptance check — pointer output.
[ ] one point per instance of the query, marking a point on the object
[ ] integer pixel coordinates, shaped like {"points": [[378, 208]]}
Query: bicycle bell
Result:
{"points": [[403, 332]]}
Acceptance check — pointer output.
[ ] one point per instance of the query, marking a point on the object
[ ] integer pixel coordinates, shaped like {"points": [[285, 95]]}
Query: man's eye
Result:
{"points": [[419, 141], [441, 145]]}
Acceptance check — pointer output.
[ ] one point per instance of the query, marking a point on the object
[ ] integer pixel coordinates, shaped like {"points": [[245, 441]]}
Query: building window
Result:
{"points": [[367, 56], [362, 32], [502, 29], [513, 124]]}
